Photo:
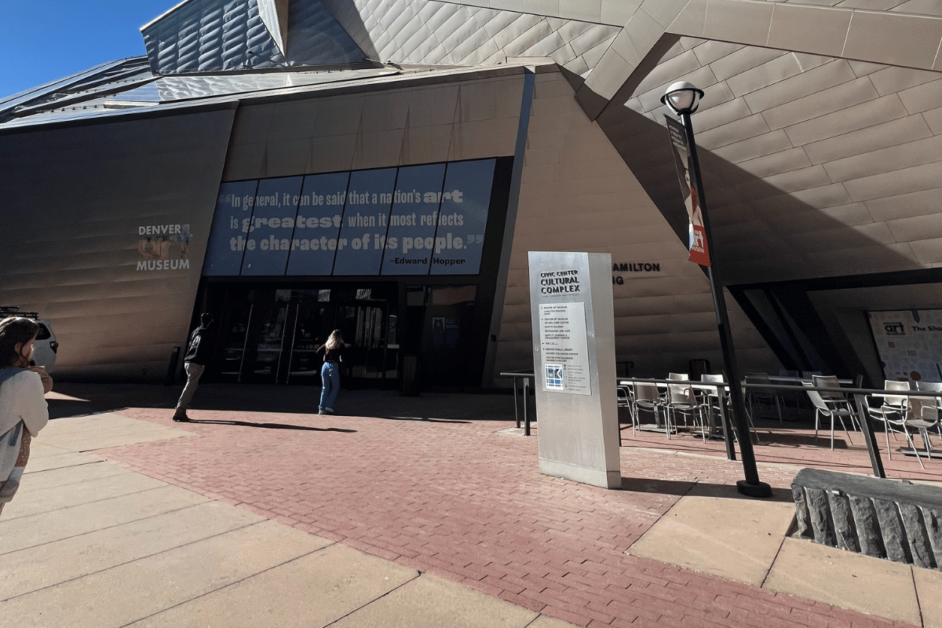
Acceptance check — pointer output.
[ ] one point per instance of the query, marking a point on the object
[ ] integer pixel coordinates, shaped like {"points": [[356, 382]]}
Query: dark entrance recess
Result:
{"points": [[269, 335]]}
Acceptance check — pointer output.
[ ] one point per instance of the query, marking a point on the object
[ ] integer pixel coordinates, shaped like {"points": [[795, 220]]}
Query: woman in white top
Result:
{"points": [[23, 410]]}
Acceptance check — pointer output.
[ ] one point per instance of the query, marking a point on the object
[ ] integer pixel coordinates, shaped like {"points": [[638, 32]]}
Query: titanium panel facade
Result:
{"points": [[827, 163], [818, 134], [227, 35], [80, 203], [433, 32]]}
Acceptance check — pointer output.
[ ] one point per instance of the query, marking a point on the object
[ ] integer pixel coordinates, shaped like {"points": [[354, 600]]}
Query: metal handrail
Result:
{"points": [[527, 376]]}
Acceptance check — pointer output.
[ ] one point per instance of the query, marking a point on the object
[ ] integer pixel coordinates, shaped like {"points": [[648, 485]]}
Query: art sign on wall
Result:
{"points": [[909, 343], [414, 220]]}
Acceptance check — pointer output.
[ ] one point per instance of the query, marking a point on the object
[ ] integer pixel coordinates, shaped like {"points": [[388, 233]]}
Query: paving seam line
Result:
{"points": [[775, 558], [139, 558], [96, 501], [912, 574], [666, 512], [68, 466], [84, 464], [202, 595], [117, 525], [356, 610]]}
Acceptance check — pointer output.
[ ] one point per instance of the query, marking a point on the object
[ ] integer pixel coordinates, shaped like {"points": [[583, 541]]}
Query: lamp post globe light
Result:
{"points": [[684, 98]]}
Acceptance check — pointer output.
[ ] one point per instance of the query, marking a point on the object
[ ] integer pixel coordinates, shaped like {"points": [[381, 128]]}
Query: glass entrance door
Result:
{"points": [[266, 343], [272, 335], [313, 323], [364, 327], [233, 336]]}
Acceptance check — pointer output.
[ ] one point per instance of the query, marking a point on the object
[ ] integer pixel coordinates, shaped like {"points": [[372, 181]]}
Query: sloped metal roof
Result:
{"points": [[181, 92], [101, 80], [231, 35], [176, 88]]}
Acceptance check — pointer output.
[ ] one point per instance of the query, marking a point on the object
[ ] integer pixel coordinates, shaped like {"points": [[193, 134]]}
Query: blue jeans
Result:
{"points": [[330, 376]]}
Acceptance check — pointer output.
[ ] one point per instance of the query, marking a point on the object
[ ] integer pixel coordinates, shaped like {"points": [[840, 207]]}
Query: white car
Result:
{"points": [[46, 346]]}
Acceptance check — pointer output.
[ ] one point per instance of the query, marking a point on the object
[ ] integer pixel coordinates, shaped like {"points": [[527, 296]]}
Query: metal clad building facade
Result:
{"points": [[820, 155]]}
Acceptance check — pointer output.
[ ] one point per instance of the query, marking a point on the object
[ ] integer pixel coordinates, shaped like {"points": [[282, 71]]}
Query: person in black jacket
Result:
{"points": [[197, 355]]}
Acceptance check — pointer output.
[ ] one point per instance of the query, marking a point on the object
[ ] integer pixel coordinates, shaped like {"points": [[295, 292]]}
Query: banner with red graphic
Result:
{"points": [[696, 235]]}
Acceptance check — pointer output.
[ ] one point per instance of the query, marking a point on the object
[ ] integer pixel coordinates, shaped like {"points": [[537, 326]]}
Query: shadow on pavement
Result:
{"points": [[695, 489], [423, 419], [77, 399], [271, 426], [664, 487]]}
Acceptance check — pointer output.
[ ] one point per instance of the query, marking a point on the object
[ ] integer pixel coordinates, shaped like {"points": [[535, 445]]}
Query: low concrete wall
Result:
{"points": [[882, 518]]}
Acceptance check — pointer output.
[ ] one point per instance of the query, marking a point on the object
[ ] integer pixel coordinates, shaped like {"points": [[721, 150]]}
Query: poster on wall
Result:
{"points": [[465, 200], [686, 174], [909, 343], [231, 225], [273, 221], [414, 220], [365, 221], [318, 225]]}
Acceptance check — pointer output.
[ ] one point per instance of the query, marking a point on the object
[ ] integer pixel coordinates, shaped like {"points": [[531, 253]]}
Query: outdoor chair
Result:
{"points": [[711, 397], [712, 403], [892, 412], [646, 397], [837, 397], [922, 415], [623, 400], [933, 387], [682, 377], [831, 411], [681, 400], [756, 394]]}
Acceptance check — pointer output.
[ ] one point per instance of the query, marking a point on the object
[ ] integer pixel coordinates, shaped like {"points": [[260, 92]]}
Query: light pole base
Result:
{"points": [[760, 489]]}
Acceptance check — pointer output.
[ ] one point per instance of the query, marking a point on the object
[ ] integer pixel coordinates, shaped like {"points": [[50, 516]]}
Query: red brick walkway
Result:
{"points": [[466, 502]]}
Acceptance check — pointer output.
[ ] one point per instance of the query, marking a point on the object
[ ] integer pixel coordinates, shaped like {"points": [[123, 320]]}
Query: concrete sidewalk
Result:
{"points": [[450, 508], [89, 543]]}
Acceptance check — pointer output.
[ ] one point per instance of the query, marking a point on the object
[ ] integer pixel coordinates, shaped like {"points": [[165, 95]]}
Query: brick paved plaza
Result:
{"points": [[454, 491]]}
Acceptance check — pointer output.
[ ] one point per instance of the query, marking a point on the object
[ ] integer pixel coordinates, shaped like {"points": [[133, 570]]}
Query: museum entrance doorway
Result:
{"points": [[270, 335]]}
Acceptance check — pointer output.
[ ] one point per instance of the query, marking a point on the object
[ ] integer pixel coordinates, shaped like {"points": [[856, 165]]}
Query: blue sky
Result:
{"points": [[45, 40]]}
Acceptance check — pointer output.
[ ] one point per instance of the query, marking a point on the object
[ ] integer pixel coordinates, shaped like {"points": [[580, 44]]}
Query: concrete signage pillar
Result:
{"points": [[573, 321]]}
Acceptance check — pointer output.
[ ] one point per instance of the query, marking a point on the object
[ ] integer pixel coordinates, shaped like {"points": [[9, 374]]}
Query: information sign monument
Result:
{"points": [[572, 313]]}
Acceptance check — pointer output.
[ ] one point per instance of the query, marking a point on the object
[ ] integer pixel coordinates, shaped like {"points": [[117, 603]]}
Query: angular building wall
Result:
{"points": [[84, 207], [470, 118], [814, 166], [577, 194]]}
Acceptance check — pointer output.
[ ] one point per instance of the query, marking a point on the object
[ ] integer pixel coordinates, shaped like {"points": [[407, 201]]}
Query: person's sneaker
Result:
{"points": [[321, 412], [180, 416], [328, 410]]}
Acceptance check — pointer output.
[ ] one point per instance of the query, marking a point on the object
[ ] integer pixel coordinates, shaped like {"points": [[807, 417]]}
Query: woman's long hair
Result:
{"points": [[15, 330], [335, 340]]}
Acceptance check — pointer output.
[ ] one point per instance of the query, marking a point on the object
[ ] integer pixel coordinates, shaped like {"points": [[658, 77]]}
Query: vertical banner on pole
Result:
{"points": [[573, 322], [686, 174]]}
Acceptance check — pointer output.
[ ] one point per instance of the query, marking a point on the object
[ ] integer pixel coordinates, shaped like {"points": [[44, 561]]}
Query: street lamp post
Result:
{"points": [[684, 98]]}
